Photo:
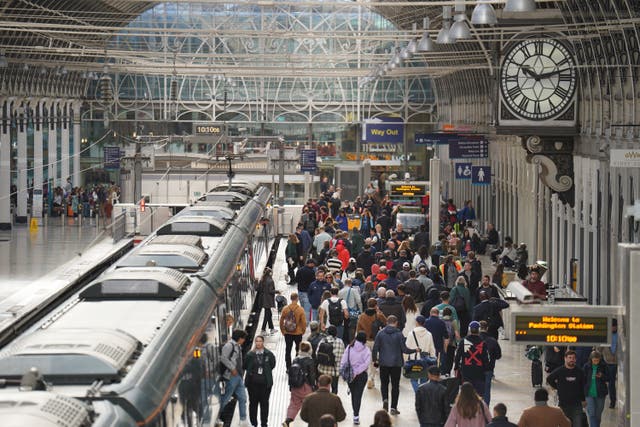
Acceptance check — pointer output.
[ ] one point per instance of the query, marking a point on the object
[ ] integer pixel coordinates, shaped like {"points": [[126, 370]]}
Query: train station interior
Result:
{"points": [[123, 121]]}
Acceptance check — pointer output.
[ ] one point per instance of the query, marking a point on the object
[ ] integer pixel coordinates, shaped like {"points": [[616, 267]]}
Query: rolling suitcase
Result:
{"points": [[536, 373]]}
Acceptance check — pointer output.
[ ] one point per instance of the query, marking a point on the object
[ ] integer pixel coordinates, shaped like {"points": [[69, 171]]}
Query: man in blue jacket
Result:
{"points": [[316, 289], [387, 353]]}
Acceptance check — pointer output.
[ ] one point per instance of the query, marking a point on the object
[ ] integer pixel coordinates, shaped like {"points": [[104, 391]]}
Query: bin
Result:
{"points": [[353, 221]]}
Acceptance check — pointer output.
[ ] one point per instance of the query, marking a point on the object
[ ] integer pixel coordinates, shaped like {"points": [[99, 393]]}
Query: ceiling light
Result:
{"points": [[443, 36], [460, 28], [3, 61], [426, 44], [412, 47], [484, 14], [520, 6], [405, 54]]}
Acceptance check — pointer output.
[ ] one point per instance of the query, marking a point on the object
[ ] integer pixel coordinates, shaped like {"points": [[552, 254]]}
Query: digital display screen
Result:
{"points": [[408, 190], [563, 330], [208, 130]]}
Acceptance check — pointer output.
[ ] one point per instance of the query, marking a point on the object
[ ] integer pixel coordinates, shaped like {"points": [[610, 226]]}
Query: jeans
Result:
{"points": [[289, 340], [390, 373], [574, 413], [416, 383], [357, 389], [478, 385], [235, 387], [595, 406], [259, 395], [303, 298], [488, 376], [314, 313]]}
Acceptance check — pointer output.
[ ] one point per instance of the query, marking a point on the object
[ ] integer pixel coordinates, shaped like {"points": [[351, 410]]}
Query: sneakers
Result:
{"points": [[286, 422], [273, 331], [394, 411], [385, 405], [370, 384], [356, 420]]}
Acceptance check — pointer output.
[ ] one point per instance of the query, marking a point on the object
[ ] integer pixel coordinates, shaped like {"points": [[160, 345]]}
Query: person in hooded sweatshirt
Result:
{"points": [[366, 324], [433, 300], [358, 356], [420, 338], [343, 254], [387, 353]]}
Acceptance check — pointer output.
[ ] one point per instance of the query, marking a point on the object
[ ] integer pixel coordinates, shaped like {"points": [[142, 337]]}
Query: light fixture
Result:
{"points": [[483, 14], [520, 6], [3, 61], [426, 44], [460, 28], [444, 37], [405, 54], [397, 58]]}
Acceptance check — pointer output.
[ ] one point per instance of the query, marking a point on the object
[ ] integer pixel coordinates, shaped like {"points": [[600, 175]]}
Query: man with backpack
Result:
{"points": [[328, 356], [232, 372], [488, 310], [460, 299], [293, 324], [302, 381], [472, 359], [351, 295], [334, 311]]}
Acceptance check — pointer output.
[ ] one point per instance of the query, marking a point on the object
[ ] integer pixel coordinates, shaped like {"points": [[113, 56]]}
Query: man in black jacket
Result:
{"points": [[365, 260], [489, 310], [569, 381], [304, 277], [431, 401], [495, 353], [390, 306]]}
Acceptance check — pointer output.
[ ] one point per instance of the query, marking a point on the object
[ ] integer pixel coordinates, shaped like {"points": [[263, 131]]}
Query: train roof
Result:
{"points": [[235, 200], [42, 409], [137, 283], [217, 210], [194, 225], [244, 187], [179, 256]]}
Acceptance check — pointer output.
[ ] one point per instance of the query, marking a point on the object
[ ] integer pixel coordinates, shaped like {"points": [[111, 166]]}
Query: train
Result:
{"points": [[139, 345]]}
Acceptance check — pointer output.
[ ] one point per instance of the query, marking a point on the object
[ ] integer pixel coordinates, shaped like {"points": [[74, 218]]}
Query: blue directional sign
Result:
{"points": [[111, 157], [463, 170], [471, 148], [481, 175], [434, 138], [308, 160]]}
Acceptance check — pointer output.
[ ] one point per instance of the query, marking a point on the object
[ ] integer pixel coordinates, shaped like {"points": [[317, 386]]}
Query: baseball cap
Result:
{"points": [[474, 325], [352, 260], [406, 265]]}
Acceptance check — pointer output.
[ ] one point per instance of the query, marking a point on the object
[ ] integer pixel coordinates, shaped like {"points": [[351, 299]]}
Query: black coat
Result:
{"points": [[601, 383], [490, 312], [493, 347], [365, 260], [267, 292], [431, 403]]}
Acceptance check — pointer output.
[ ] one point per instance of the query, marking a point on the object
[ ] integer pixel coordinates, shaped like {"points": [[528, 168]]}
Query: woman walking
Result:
{"points": [[359, 357], [595, 387], [266, 298], [303, 364], [293, 253], [259, 363], [469, 409]]}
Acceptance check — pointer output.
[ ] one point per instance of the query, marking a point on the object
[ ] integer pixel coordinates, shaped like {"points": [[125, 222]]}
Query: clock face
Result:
{"points": [[538, 79]]}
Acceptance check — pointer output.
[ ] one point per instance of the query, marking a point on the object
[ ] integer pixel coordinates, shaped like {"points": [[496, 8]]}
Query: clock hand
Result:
{"points": [[552, 73], [529, 71]]}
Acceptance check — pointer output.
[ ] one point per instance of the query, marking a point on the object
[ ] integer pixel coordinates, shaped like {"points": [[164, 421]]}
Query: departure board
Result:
{"points": [[562, 330], [412, 190]]}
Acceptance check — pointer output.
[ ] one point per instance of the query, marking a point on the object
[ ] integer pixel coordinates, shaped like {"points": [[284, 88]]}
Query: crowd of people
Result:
{"points": [[372, 302], [88, 201]]}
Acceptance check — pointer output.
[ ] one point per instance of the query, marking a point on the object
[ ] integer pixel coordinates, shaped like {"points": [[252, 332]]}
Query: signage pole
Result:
{"points": [[434, 199], [281, 172]]}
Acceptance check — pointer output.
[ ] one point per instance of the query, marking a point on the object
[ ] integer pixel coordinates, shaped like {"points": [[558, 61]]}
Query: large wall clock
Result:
{"points": [[538, 81]]}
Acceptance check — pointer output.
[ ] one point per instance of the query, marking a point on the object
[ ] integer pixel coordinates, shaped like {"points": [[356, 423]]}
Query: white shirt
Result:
{"points": [[325, 307], [417, 259], [354, 298]]}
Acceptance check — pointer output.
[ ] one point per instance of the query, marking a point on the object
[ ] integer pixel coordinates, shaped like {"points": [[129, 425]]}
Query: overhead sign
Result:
{"points": [[624, 158], [481, 175], [308, 160], [472, 148], [383, 132], [411, 190], [111, 157], [208, 129], [463, 170], [564, 330]]}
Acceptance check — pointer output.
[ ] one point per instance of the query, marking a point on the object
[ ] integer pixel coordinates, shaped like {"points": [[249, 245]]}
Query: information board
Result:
{"points": [[308, 160], [469, 149], [480, 175], [411, 190], [563, 330], [111, 157], [204, 129], [36, 210], [384, 133]]}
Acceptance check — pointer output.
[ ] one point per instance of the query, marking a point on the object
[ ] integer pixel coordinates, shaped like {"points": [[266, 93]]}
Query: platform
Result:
{"points": [[511, 386]]}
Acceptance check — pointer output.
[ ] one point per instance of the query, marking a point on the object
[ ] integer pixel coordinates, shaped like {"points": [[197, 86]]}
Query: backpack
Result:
{"points": [[290, 324], [459, 303], [324, 354], [297, 375], [376, 326], [473, 356], [336, 316]]}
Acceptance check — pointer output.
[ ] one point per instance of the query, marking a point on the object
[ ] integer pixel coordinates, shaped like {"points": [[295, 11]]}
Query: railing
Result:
{"points": [[119, 226]]}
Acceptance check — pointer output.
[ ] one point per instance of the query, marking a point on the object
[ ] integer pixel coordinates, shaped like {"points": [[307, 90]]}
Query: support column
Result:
{"points": [[23, 194], [64, 155], [5, 168], [76, 145], [53, 147], [434, 200], [38, 172]]}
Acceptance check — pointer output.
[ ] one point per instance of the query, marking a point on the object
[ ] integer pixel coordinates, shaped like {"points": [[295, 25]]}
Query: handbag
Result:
{"points": [[417, 368], [346, 370]]}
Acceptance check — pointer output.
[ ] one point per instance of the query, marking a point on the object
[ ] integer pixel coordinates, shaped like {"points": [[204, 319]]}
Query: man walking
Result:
{"points": [[305, 276], [259, 363], [322, 402], [387, 353], [431, 400], [231, 359], [293, 324], [472, 358], [328, 355], [569, 381], [495, 353], [543, 415]]}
